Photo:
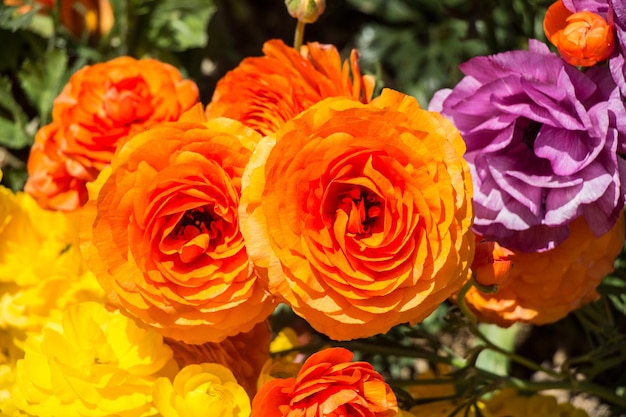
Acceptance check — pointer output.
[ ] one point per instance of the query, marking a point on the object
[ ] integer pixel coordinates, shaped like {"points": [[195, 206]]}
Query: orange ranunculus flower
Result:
{"points": [[544, 287], [244, 354], [101, 105], [161, 231], [492, 263], [265, 92], [328, 384], [582, 38], [63, 178], [359, 216]]}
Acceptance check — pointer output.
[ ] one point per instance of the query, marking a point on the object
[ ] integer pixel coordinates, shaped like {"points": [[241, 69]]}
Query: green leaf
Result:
{"points": [[178, 26], [615, 289], [13, 129], [43, 80], [13, 135], [502, 337]]}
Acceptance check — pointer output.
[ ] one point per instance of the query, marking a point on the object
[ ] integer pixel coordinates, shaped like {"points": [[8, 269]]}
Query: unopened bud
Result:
{"points": [[306, 11], [492, 263]]}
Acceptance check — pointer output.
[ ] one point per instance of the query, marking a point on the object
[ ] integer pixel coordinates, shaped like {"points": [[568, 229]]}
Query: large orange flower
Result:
{"points": [[101, 105], [244, 354], [359, 216], [265, 92], [544, 287], [328, 384], [161, 231]]}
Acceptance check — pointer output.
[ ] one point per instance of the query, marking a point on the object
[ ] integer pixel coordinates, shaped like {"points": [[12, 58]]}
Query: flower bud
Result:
{"points": [[306, 11], [492, 263], [582, 38]]}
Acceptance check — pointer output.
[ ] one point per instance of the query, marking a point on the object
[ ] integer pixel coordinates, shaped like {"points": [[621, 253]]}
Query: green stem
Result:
{"points": [[490, 345], [578, 386], [299, 35]]}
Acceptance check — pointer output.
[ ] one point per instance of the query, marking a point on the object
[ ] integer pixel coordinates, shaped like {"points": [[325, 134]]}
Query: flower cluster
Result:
{"points": [[544, 140], [156, 235]]}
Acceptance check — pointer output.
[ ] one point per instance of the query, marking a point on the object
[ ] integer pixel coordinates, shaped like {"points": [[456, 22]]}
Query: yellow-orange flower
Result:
{"points": [[509, 403], [583, 38], [544, 287], [328, 384], [94, 17], [206, 389], [161, 231], [101, 105], [359, 216], [265, 92], [243, 354]]}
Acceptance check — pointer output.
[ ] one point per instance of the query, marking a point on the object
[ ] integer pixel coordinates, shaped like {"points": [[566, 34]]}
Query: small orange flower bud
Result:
{"points": [[492, 263], [306, 11], [582, 38]]}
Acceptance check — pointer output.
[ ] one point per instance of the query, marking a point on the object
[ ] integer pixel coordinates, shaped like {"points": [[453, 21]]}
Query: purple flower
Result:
{"points": [[542, 143], [617, 63]]}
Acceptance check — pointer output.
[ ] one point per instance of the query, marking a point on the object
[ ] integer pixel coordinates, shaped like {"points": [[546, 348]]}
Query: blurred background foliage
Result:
{"points": [[414, 46]]}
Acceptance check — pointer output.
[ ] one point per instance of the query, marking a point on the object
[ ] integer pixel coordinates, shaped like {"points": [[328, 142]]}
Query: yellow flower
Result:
{"points": [[285, 365], [31, 239], [41, 268], [286, 339], [94, 363], [200, 390], [9, 354], [510, 404]]}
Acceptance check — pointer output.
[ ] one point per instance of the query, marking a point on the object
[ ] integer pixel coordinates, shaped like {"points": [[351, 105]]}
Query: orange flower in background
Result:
{"points": [[101, 105], [244, 354], [265, 92], [62, 178], [161, 231], [545, 287], [492, 263], [328, 384], [93, 16], [359, 216], [582, 38]]}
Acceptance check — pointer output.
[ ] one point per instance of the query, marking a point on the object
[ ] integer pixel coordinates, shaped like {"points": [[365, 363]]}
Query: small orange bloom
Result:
{"points": [[93, 16], [161, 231], [328, 384], [582, 38], [244, 354], [62, 178], [265, 92], [492, 263], [545, 287], [359, 216], [101, 105]]}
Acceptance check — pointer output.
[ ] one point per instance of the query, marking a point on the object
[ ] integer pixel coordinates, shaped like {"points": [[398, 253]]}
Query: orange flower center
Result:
{"points": [[363, 208], [128, 101], [198, 230]]}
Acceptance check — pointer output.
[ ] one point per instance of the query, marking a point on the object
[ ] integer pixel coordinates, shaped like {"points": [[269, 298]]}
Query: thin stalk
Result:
{"points": [[299, 35], [490, 345]]}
